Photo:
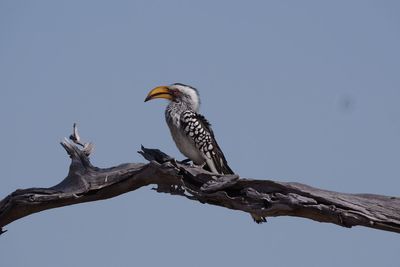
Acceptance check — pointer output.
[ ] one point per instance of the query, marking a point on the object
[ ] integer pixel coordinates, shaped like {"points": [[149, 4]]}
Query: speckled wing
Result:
{"points": [[199, 130]]}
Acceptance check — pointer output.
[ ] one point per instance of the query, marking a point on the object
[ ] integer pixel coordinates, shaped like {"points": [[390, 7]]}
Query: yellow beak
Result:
{"points": [[159, 92]]}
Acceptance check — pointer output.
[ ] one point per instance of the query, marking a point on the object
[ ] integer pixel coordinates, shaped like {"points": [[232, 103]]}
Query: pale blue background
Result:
{"points": [[304, 91]]}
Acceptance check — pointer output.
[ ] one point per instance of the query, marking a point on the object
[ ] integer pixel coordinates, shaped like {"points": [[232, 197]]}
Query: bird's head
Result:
{"points": [[177, 92]]}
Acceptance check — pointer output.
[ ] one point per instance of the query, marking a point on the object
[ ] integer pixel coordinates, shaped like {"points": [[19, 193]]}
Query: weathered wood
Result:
{"points": [[86, 182]]}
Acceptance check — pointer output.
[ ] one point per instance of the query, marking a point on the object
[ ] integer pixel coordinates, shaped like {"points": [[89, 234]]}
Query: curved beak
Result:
{"points": [[159, 92]]}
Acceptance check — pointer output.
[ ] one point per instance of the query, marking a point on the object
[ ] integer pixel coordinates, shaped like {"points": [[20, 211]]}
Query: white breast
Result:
{"points": [[185, 145]]}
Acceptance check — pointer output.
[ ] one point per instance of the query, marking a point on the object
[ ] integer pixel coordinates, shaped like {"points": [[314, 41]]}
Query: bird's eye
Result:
{"points": [[175, 93]]}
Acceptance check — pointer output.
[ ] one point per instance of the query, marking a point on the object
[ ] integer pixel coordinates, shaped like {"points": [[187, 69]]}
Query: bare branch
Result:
{"points": [[266, 198]]}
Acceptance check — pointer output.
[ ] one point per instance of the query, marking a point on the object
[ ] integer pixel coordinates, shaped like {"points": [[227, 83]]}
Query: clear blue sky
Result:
{"points": [[304, 91]]}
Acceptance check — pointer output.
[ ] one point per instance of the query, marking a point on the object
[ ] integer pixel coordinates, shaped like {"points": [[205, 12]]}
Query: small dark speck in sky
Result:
{"points": [[347, 103]]}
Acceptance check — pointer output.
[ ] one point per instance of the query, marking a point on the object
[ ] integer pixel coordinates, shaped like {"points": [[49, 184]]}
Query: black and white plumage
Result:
{"points": [[191, 132], [198, 129]]}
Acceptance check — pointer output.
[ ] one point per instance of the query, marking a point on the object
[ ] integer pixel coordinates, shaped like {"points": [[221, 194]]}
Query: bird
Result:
{"points": [[191, 131]]}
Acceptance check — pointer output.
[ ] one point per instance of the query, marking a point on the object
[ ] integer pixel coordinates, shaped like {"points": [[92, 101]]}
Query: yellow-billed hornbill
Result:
{"points": [[192, 132]]}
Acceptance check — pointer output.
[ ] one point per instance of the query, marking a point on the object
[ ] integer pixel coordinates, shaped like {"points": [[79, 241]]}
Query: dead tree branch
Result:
{"points": [[86, 182]]}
